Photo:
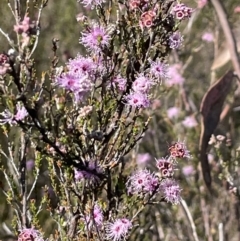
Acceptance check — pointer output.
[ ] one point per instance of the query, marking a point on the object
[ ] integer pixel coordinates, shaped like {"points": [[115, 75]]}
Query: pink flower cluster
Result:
{"points": [[25, 28], [80, 77], [146, 19], [175, 40], [166, 167], [139, 97], [175, 77], [118, 229], [30, 234], [143, 182], [95, 218], [179, 150], [95, 38], [181, 11], [118, 83]]}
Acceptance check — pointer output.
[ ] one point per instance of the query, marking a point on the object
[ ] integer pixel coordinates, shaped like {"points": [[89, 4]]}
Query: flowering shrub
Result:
{"points": [[77, 125]]}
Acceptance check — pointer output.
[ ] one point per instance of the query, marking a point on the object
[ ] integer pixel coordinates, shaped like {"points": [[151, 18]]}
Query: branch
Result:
{"points": [[190, 219]]}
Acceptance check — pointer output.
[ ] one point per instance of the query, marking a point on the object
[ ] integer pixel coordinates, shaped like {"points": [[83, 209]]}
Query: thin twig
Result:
{"points": [[190, 219], [11, 43], [34, 184], [38, 30], [17, 18], [11, 9], [9, 183]]}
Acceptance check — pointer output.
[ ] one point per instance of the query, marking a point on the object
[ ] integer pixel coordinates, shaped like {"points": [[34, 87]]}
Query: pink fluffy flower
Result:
{"points": [[208, 37], [118, 82], [82, 65], [175, 78], [171, 191], [142, 182], [173, 112], [189, 122], [80, 85], [118, 229], [143, 158], [175, 40], [95, 218], [188, 170], [142, 84], [30, 234], [159, 69], [137, 100], [95, 38]]}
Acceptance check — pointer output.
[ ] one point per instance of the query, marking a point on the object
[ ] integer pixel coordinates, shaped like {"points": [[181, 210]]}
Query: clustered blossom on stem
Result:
{"points": [[159, 69], [142, 182], [173, 112], [146, 19], [189, 122], [82, 65], [175, 40], [179, 150], [118, 83], [118, 229], [11, 119], [175, 77], [166, 167], [95, 38], [30, 234], [95, 218], [181, 11], [171, 190], [137, 100], [208, 37], [26, 28], [80, 77], [142, 84]]}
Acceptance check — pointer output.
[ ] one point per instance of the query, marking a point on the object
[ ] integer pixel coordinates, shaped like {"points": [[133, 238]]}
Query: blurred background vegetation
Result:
{"points": [[161, 222]]}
